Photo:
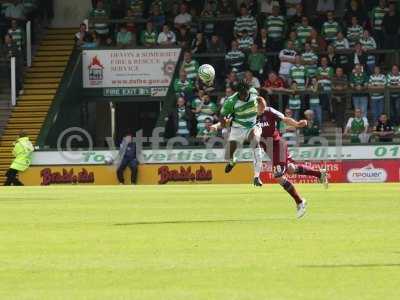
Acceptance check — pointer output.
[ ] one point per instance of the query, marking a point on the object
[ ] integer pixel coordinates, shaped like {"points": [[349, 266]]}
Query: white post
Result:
{"points": [[112, 111], [28, 44], [13, 83]]}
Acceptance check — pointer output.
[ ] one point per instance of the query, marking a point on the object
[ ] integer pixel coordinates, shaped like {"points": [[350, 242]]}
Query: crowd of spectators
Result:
{"points": [[276, 46]]}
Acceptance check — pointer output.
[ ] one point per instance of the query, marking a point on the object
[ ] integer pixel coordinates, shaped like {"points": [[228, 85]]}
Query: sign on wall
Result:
{"points": [[129, 71]]}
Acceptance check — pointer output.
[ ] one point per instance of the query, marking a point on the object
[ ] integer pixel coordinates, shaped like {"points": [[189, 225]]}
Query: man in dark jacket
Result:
{"points": [[180, 120], [127, 153], [358, 57], [10, 49]]}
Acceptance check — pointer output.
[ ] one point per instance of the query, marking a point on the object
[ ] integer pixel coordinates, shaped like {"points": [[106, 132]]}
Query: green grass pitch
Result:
{"points": [[199, 242]]}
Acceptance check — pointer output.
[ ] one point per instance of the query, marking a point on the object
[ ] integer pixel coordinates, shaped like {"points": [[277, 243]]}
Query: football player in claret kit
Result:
{"points": [[276, 148]]}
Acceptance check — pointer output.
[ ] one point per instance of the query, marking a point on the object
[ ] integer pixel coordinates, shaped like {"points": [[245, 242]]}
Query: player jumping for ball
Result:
{"points": [[276, 148]]}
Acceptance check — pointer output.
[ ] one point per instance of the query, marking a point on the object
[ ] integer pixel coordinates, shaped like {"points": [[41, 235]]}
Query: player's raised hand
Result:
{"points": [[302, 123]]}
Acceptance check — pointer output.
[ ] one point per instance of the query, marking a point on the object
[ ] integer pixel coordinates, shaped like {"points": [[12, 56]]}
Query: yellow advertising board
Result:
{"points": [[204, 173]]}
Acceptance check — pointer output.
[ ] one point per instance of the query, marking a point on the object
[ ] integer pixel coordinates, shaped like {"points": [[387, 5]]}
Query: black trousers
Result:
{"points": [[12, 178], [132, 163]]}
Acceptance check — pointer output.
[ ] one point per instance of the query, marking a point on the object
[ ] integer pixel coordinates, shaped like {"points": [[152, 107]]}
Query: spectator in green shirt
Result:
{"points": [[148, 36], [183, 86], [312, 128], [124, 38], [256, 61], [357, 128], [359, 81]]}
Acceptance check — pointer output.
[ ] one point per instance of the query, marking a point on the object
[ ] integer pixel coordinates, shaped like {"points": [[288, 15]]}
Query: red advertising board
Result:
{"points": [[356, 171]]}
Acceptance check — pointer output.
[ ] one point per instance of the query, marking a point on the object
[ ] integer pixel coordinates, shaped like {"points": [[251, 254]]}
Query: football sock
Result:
{"points": [[289, 187], [257, 162], [304, 170]]}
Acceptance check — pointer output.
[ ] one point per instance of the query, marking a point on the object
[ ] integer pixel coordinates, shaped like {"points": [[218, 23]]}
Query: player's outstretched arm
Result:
{"points": [[294, 123]]}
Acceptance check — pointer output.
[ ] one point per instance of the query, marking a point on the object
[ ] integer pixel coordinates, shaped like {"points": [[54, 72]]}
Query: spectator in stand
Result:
{"points": [[390, 28], [289, 133], [291, 7], [330, 28], [298, 46], [207, 133], [130, 24], [262, 40], [295, 20], [251, 80], [125, 38], [377, 15], [273, 84], [184, 37], [341, 43], [190, 65], [17, 34], [294, 103], [312, 128], [325, 6], [287, 58], [267, 7], [304, 30], [82, 36], [180, 121], [184, 86], [216, 45], [245, 22], [324, 76], [148, 36], [333, 58], [137, 7], [315, 104], [384, 130], [357, 128], [245, 41], [276, 27], [15, 10], [235, 59], [209, 11], [339, 86], [393, 82], [228, 92], [199, 44], [368, 43], [205, 109], [376, 85], [358, 81], [100, 14], [256, 61], [355, 9], [225, 8], [298, 74], [10, 49], [184, 17], [231, 79], [310, 60], [359, 57], [157, 18], [317, 43], [354, 32], [166, 37]]}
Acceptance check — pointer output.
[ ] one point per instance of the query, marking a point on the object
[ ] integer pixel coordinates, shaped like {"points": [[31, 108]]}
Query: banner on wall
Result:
{"points": [[129, 72], [163, 156]]}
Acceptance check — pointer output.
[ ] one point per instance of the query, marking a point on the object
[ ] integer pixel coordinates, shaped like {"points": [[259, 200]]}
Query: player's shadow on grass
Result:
{"points": [[350, 266], [190, 222]]}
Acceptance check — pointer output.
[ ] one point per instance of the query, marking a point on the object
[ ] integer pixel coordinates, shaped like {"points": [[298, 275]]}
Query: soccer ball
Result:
{"points": [[207, 74], [108, 160]]}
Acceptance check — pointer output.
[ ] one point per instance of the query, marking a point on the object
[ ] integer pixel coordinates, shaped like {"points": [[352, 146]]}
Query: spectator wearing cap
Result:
{"points": [[245, 22], [148, 36], [354, 32], [235, 59], [358, 81], [384, 130], [256, 61], [376, 85], [166, 37], [312, 128], [390, 28], [276, 28], [330, 28]]}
